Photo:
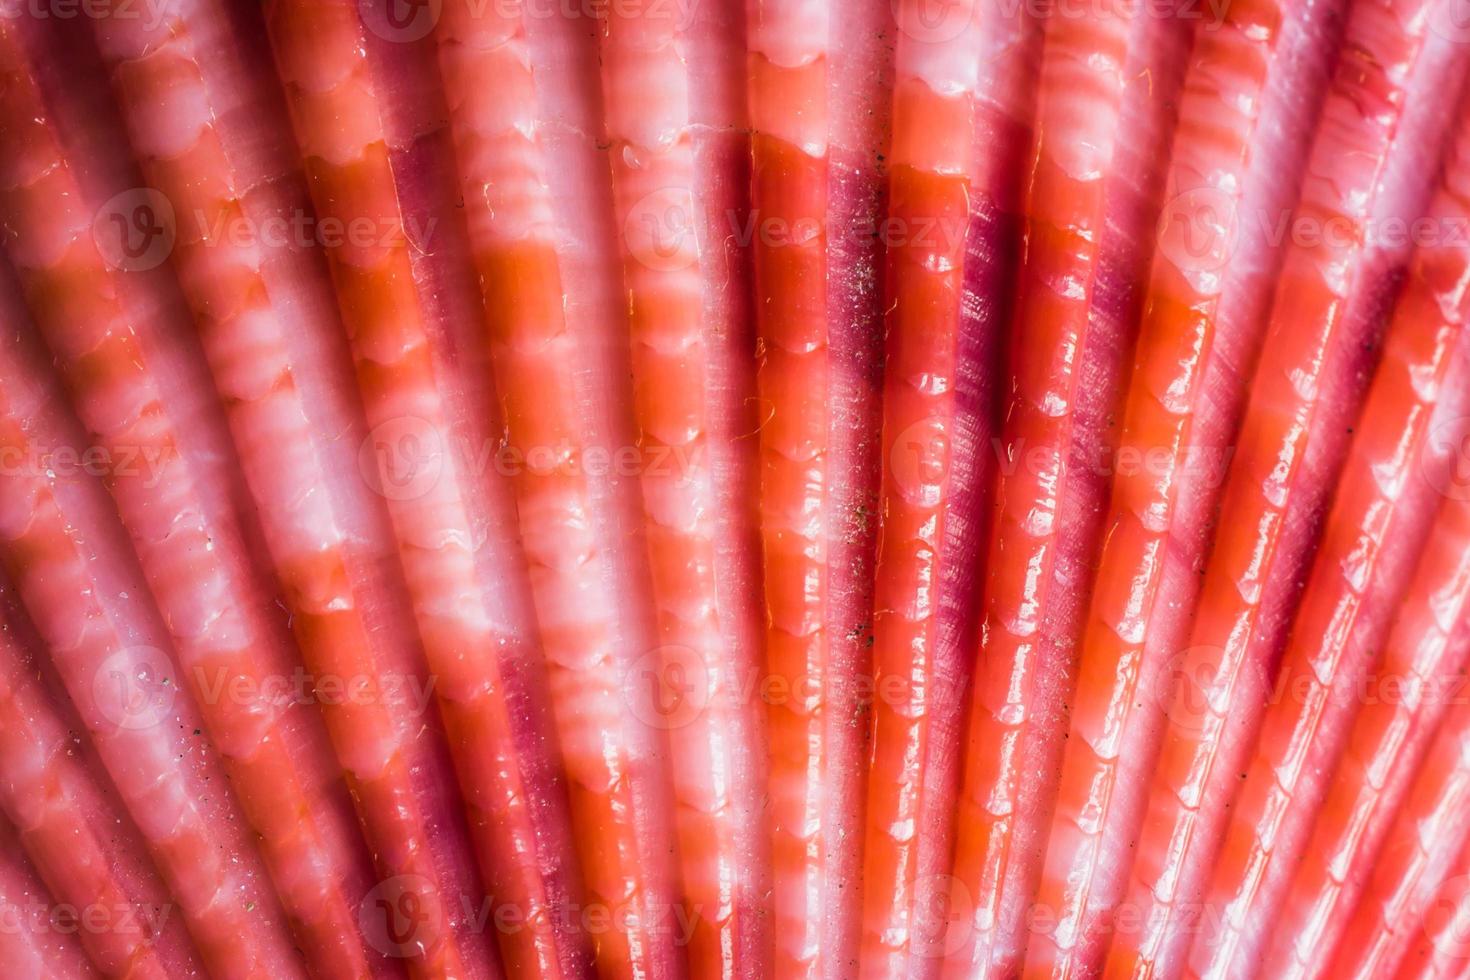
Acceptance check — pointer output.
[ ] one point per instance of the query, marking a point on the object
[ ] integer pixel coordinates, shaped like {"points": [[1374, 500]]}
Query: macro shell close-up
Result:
{"points": [[734, 489]]}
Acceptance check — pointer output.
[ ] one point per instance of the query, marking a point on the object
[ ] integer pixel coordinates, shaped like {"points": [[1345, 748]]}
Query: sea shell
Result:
{"points": [[691, 488]]}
